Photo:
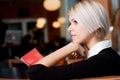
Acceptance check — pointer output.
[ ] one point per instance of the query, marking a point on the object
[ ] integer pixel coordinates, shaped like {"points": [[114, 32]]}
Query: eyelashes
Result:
{"points": [[75, 21]]}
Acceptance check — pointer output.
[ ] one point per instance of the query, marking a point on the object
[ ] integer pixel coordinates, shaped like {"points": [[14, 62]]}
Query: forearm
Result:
{"points": [[59, 54]]}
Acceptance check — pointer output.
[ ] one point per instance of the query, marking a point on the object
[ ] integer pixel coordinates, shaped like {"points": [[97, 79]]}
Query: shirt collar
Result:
{"points": [[98, 47]]}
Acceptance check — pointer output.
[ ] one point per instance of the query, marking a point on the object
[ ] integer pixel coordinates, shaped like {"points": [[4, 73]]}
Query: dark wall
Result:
{"points": [[31, 11]]}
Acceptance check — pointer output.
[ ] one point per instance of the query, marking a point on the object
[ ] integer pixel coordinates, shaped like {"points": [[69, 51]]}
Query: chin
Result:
{"points": [[76, 41]]}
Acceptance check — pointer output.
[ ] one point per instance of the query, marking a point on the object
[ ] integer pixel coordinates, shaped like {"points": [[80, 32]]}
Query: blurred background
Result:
{"points": [[25, 24]]}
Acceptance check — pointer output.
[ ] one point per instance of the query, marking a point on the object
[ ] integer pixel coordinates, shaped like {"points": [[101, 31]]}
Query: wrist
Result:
{"points": [[74, 46]]}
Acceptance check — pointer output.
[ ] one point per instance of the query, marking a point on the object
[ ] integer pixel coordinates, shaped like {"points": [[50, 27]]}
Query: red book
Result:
{"points": [[31, 57]]}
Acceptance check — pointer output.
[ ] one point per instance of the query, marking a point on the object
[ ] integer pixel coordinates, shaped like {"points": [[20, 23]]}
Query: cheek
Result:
{"points": [[83, 36]]}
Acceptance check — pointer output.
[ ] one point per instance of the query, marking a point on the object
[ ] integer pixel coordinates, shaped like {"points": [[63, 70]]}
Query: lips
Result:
{"points": [[73, 35]]}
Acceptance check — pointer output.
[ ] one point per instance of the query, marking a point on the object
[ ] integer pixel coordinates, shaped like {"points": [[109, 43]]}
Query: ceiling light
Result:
{"points": [[56, 24], [51, 5], [40, 23], [62, 20]]}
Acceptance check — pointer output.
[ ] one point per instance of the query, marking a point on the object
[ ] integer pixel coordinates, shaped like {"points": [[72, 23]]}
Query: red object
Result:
{"points": [[31, 57], [62, 62]]}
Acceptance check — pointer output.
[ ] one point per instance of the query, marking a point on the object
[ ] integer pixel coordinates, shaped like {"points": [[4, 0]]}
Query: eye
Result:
{"points": [[75, 21]]}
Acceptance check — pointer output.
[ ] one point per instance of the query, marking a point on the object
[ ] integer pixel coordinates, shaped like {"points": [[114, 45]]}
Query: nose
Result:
{"points": [[70, 28]]}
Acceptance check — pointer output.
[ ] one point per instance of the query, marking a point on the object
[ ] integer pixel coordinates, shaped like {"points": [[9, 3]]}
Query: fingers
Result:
{"points": [[76, 55]]}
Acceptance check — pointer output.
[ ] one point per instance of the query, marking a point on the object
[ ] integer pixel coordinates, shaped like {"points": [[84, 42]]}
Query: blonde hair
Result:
{"points": [[92, 16]]}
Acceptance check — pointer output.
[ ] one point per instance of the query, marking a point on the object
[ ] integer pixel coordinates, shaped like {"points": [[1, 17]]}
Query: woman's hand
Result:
{"points": [[81, 52]]}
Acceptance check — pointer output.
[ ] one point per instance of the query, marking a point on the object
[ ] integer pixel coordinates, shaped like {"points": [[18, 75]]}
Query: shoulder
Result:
{"points": [[109, 52], [107, 55]]}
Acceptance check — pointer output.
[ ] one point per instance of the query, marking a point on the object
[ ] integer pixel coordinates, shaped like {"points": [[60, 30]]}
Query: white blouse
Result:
{"points": [[99, 47]]}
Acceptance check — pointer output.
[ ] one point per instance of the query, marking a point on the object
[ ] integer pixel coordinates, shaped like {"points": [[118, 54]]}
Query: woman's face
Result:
{"points": [[78, 32]]}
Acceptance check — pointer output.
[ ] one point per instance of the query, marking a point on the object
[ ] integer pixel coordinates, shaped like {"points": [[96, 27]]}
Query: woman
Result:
{"points": [[89, 26]]}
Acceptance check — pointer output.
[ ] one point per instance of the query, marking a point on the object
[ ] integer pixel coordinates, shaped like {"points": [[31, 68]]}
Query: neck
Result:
{"points": [[91, 42]]}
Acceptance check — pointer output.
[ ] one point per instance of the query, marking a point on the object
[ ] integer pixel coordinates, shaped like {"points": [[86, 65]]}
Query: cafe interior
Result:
{"points": [[28, 24]]}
